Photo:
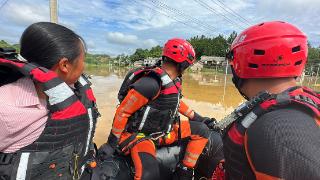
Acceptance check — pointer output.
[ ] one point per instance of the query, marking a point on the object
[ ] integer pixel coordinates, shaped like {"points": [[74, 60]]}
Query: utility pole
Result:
{"points": [[54, 11], [315, 82]]}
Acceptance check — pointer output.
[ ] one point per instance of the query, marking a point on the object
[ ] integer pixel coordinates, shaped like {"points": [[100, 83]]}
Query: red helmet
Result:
{"points": [[179, 50], [269, 50]]}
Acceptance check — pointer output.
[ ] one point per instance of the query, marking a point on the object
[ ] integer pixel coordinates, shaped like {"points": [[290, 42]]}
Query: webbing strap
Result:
{"points": [[126, 142]]}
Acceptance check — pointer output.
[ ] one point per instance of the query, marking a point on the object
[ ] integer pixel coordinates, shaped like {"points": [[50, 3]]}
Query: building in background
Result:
{"points": [[196, 67], [212, 61], [138, 63], [150, 61]]}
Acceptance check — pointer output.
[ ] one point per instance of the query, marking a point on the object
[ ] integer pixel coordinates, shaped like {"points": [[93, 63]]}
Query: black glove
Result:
{"points": [[107, 150], [183, 173], [210, 122]]}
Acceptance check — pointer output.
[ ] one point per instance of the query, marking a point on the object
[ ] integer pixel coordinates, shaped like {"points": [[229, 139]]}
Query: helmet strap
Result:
{"points": [[183, 66], [238, 82]]}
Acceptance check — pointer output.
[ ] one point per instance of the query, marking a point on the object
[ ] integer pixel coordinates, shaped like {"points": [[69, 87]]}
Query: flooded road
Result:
{"points": [[208, 93]]}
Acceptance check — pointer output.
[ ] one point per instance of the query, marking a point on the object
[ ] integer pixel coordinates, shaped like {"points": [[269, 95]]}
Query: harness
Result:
{"points": [[156, 118], [236, 124], [65, 147]]}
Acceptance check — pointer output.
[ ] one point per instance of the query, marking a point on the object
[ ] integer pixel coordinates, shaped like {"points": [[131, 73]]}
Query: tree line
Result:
{"points": [[90, 58], [212, 46], [208, 46], [215, 46]]}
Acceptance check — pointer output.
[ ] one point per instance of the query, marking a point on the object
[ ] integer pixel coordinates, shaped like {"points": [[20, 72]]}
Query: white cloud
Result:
{"points": [[150, 43], [25, 13], [119, 38], [303, 14], [119, 26], [90, 44]]}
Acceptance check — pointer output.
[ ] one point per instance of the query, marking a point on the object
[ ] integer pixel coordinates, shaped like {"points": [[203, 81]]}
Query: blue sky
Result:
{"points": [[121, 26]]}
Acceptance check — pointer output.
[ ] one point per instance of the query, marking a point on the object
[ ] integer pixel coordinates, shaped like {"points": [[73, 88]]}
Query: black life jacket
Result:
{"points": [[160, 113], [65, 146], [237, 161]]}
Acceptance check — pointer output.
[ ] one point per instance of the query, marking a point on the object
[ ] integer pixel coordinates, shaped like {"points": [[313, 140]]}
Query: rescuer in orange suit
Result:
{"points": [[148, 116]]}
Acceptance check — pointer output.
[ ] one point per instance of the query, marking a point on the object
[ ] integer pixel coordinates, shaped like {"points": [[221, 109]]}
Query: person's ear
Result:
{"points": [[63, 65]]}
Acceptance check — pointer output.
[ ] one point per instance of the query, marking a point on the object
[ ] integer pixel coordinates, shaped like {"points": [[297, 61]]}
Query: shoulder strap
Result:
{"points": [[132, 76]]}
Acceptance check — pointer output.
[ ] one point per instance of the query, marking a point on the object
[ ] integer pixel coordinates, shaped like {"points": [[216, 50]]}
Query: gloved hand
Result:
{"points": [[105, 151], [183, 173], [210, 122], [108, 149]]}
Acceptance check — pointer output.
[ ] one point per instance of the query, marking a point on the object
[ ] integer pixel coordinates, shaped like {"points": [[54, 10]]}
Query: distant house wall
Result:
{"points": [[138, 63], [212, 61], [150, 61], [196, 67]]}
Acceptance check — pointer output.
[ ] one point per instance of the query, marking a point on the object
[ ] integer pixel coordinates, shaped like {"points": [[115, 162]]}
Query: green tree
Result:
{"points": [[231, 37], [155, 51], [215, 46], [4, 44], [313, 55], [139, 54]]}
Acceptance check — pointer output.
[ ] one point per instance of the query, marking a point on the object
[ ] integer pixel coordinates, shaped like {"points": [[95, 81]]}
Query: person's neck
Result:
{"points": [[274, 86], [171, 71]]}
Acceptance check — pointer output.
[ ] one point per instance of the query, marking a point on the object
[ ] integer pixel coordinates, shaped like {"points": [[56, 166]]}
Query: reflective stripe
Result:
{"points": [[165, 80], [82, 81], [131, 77], [82, 170], [59, 93], [189, 111], [144, 118], [188, 159], [23, 166], [88, 138], [192, 155], [175, 112], [117, 130], [117, 135], [184, 119], [249, 119], [90, 130]]}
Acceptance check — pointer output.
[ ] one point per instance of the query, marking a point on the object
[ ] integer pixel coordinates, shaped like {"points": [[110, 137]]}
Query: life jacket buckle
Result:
{"points": [[5, 159], [75, 172], [157, 135]]}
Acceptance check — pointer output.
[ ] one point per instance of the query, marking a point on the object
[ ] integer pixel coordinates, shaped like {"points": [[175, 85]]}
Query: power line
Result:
{"points": [[193, 19], [171, 17], [234, 12], [197, 23], [205, 5], [231, 12], [165, 11]]}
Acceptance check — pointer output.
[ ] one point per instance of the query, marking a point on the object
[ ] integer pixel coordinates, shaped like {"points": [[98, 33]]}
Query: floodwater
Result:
{"points": [[208, 93]]}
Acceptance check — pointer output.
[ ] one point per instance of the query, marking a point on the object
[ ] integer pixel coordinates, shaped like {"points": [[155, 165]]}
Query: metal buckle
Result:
{"points": [[155, 136], [75, 173]]}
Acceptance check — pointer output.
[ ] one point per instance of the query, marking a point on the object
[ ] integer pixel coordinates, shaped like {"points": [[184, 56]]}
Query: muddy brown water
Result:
{"points": [[208, 93]]}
